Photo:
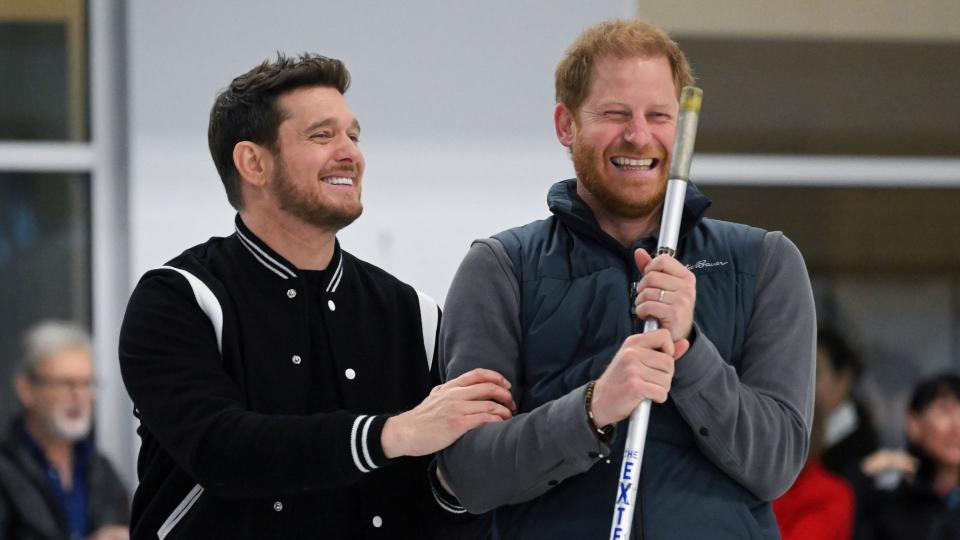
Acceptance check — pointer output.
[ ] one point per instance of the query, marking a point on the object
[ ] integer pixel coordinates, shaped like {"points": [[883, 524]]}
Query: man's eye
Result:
{"points": [[321, 135], [355, 137], [617, 114]]}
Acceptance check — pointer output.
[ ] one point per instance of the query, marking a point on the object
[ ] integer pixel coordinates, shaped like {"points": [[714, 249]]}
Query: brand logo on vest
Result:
{"points": [[705, 264]]}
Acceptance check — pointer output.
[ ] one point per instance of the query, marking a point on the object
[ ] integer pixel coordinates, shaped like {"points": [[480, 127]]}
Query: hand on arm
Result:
{"points": [[477, 397], [642, 369], [513, 461], [674, 309]]}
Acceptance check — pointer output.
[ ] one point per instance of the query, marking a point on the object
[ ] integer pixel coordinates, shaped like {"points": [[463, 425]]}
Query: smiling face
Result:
{"points": [[621, 136], [936, 429], [318, 166]]}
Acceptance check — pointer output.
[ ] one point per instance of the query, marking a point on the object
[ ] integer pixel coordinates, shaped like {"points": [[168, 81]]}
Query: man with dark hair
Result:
{"points": [[557, 305], [285, 388], [54, 484], [925, 502], [248, 110]]}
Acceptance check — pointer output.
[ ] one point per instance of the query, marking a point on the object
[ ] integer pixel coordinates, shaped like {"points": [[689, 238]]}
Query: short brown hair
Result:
{"points": [[620, 39], [247, 109]]}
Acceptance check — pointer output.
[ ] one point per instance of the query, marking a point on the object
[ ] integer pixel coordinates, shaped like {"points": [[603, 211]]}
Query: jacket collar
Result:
{"points": [[276, 264], [573, 211]]}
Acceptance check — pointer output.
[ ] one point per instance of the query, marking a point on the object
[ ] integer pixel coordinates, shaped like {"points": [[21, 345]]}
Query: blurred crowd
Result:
{"points": [[854, 488]]}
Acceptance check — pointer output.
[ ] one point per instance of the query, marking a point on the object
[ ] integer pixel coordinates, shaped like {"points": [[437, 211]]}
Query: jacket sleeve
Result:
{"points": [[518, 459], [171, 365], [755, 424]]}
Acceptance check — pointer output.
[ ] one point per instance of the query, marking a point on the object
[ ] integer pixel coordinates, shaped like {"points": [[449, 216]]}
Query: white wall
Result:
{"points": [[455, 98]]}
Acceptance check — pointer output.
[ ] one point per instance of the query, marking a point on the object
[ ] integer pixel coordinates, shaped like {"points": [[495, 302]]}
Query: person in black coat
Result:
{"points": [[287, 389], [926, 504]]}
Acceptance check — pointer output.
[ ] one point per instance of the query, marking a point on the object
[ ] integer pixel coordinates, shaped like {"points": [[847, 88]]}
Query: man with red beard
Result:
{"points": [[557, 306], [285, 388], [54, 485]]}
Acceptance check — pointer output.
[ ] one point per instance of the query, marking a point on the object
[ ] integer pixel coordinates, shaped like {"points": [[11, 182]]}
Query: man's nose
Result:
{"points": [[347, 150], [638, 131]]}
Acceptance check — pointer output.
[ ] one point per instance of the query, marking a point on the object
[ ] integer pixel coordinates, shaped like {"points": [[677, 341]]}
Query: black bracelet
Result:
{"points": [[605, 433]]}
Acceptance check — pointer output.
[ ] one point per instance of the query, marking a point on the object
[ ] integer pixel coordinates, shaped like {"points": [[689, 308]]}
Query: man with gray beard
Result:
{"points": [[53, 483]]}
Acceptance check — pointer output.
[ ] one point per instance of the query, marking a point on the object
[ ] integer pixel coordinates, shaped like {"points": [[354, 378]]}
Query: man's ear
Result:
{"points": [[565, 125], [253, 162]]}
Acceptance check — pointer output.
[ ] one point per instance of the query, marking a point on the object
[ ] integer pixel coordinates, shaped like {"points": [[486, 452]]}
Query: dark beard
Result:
{"points": [[589, 168], [300, 204]]}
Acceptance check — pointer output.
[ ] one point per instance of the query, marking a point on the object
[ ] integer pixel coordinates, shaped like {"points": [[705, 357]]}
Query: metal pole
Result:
{"points": [[690, 100]]}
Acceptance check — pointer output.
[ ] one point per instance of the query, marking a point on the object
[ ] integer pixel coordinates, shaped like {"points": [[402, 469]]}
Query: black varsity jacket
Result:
{"points": [[212, 351]]}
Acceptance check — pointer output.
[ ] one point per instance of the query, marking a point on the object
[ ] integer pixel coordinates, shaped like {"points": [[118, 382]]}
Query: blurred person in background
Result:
{"points": [[847, 431], [925, 505], [54, 485], [820, 504], [849, 435]]}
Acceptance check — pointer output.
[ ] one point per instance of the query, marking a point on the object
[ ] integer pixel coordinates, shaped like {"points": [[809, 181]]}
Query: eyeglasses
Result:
{"points": [[64, 384]]}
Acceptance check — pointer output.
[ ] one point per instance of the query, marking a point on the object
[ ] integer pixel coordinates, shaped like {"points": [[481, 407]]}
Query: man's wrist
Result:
{"points": [[391, 438], [441, 491], [604, 432]]}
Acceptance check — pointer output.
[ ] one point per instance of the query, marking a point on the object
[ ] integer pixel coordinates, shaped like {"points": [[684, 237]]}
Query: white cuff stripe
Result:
{"points": [[363, 440], [444, 504], [353, 444]]}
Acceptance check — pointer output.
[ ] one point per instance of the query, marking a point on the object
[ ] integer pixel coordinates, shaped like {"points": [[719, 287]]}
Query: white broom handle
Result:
{"points": [[623, 509]]}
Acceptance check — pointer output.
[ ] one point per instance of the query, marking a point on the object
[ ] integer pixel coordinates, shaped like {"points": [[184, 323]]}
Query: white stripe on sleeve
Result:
{"points": [[206, 300]]}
